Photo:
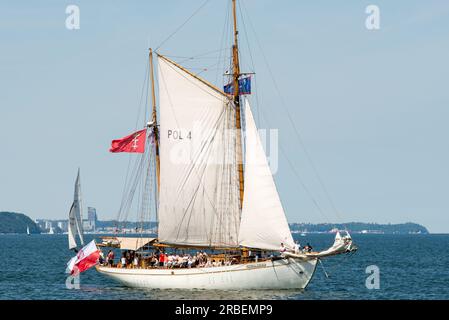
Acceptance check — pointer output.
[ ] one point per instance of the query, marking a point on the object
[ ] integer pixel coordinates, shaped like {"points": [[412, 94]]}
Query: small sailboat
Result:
{"points": [[213, 194], [75, 224], [28, 230]]}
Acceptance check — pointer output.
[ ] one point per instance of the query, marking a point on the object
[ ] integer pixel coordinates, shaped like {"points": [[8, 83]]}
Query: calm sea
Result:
{"points": [[411, 267]]}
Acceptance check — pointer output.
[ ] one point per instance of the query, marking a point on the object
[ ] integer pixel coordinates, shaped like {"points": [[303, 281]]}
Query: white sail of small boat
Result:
{"points": [[75, 225], [28, 230], [207, 199]]}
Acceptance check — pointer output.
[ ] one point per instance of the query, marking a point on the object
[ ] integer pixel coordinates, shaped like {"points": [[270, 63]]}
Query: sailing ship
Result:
{"points": [[28, 230], [213, 194]]}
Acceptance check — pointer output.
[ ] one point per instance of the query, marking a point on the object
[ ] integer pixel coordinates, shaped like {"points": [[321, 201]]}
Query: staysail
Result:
{"points": [[199, 195], [263, 223], [75, 216]]}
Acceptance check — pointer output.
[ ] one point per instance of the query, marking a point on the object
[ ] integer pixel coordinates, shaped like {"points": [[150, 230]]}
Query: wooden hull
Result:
{"points": [[280, 274]]}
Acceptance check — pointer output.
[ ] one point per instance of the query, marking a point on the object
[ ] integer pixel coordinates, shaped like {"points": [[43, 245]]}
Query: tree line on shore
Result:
{"points": [[12, 222]]}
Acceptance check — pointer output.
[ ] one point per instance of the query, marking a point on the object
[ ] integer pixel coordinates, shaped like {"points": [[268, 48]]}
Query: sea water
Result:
{"points": [[410, 267]]}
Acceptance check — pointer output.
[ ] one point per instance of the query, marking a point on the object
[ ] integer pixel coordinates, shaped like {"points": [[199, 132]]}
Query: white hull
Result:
{"points": [[279, 274]]}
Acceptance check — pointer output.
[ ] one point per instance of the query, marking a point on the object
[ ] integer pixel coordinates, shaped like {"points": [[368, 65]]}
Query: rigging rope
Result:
{"points": [[261, 113], [295, 172], [137, 177], [201, 55], [182, 25], [224, 36], [144, 91], [296, 130], [322, 266]]}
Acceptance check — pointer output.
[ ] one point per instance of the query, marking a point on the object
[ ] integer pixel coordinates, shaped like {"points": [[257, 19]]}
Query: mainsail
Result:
{"points": [[75, 217], [263, 223], [199, 188]]}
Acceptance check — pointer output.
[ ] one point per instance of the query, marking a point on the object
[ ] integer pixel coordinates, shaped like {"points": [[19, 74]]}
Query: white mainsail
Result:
{"points": [[199, 197], [263, 223], [75, 216]]}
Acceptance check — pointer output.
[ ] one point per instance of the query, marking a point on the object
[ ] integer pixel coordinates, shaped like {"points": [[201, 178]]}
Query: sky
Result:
{"points": [[371, 106]]}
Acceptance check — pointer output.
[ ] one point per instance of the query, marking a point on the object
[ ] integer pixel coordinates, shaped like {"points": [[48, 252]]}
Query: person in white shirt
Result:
{"points": [[296, 247], [170, 261]]}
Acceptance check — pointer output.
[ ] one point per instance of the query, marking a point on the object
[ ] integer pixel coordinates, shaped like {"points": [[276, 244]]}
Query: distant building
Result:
{"points": [[91, 214], [63, 225], [90, 225], [87, 226], [91, 222]]}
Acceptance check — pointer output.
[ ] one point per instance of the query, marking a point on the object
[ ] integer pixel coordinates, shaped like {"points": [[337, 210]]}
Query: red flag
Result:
{"points": [[134, 143], [86, 258]]}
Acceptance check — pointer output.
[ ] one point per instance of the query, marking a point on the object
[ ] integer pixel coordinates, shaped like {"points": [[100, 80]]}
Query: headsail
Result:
{"points": [[263, 223], [342, 244], [75, 216], [199, 191]]}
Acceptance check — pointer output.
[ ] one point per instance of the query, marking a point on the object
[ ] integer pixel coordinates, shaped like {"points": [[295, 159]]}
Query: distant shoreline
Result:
{"points": [[18, 223]]}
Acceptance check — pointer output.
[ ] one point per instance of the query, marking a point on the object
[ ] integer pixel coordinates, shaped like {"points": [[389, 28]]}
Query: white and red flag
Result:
{"points": [[134, 143], [86, 258]]}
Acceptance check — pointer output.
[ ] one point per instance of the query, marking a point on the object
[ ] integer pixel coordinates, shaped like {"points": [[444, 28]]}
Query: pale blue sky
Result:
{"points": [[372, 106]]}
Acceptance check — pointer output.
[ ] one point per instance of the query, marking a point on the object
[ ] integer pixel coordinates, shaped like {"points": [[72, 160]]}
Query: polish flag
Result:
{"points": [[134, 143], [86, 258]]}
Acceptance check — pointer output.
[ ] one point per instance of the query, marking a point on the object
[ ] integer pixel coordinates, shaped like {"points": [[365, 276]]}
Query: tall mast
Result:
{"points": [[236, 75], [154, 120]]}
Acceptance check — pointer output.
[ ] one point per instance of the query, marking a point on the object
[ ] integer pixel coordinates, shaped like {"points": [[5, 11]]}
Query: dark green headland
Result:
{"points": [[12, 222]]}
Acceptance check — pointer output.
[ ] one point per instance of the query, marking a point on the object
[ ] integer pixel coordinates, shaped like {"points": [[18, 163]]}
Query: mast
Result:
{"points": [[154, 120], [236, 75]]}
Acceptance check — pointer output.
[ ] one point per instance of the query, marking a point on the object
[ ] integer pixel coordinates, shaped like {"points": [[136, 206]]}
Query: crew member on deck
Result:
{"points": [[283, 248], [308, 247], [123, 260], [296, 247], [136, 261], [101, 258], [110, 258]]}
